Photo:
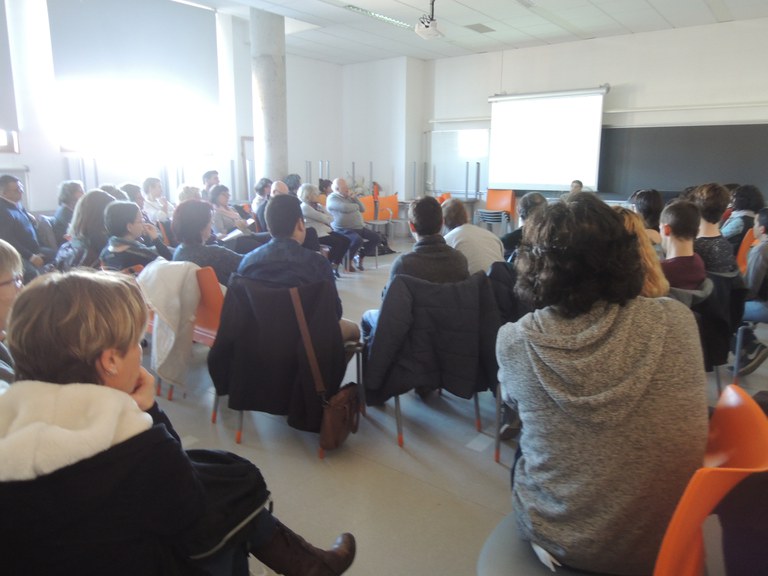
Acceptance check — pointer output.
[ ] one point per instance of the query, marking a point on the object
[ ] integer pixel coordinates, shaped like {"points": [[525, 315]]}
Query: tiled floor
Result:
{"points": [[424, 509]]}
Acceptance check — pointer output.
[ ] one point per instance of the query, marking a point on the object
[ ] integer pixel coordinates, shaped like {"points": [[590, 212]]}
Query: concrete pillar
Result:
{"points": [[270, 108]]}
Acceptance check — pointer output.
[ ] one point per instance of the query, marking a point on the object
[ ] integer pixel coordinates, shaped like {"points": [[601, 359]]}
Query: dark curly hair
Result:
{"points": [[576, 252], [748, 197]]}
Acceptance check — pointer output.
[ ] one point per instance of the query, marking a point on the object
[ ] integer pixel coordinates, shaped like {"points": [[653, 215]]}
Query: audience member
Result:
{"points": [[525, 206], [93, 459], [115, 192], [317, 218], [284, 263], [325, 186], [70, 191], [210, 179], [679, 225], [88, 233], [11, 283], [649, 204], [347, 212], [155, 203], [293, 181], [188, 192], [225, 218], [716, 252], [192, 226], [275, 189], [756, 306], [18, 229], [747, 201], [480, 246], [655, 283], [260, 195], [125, 226], [431, 259], [585, 392]]}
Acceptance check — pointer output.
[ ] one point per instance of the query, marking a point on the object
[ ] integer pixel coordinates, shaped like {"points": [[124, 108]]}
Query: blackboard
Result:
{"points": [[672, 158]]}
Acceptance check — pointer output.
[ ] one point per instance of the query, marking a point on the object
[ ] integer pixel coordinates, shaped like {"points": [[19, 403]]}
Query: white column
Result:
{"points": [[270, 115]]}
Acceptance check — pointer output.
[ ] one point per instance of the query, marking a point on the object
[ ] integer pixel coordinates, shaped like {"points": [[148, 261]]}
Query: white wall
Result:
{"points": [[315, 112], [691, 76]]}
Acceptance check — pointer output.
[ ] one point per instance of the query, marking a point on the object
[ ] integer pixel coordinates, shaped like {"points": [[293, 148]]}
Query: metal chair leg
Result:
{"points": [[399, 420], [239, 433], [170, 393], [478, 423], [717, 381], [215, 413], [497, 428], [360, 384]]}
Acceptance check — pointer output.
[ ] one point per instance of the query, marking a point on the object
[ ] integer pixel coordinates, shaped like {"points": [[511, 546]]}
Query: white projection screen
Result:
{"points": [[544, 141]]}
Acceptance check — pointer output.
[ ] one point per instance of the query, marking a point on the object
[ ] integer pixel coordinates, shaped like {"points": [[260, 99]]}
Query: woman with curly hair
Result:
{"points": [[609, 439], [655, 284], [747, 202]]}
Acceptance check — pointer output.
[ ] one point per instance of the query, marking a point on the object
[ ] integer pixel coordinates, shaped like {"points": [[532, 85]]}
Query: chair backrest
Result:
{"points": [[388, 207], [443, 197], [501, 200], [737, 447], [322, 199], [246, 206], [208, 313], [746, 244], [368, 204]]}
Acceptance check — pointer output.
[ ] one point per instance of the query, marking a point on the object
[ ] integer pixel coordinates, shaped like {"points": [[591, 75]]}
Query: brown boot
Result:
{"points": [[289, 554]]}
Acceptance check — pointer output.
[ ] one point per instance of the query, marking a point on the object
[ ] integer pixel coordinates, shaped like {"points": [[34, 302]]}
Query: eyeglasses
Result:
{"points": [[18, 280]]}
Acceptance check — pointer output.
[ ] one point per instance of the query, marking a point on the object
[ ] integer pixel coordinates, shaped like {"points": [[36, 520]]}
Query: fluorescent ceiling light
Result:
{"points": [[387, 19], [194, 5]]}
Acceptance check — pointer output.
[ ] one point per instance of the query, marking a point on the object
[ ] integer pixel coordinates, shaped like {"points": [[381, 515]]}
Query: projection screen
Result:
{"points": [[543, 141]]}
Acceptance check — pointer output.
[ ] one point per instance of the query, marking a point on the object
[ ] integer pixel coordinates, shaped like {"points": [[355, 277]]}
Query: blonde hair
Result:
{"points": [[62, 322], [655, 283], [188, 192], [10, 260]]}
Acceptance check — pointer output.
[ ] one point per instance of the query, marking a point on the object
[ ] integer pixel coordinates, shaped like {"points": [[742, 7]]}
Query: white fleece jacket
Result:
{"points": [[45, 427]]}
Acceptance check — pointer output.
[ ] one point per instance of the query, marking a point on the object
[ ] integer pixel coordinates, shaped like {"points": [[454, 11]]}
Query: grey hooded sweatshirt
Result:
{"points": [[614, 412]]}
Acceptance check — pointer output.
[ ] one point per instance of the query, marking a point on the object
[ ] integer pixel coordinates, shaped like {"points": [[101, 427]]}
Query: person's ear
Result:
{"points": [[666, 230], [300, 226], [107, 365], [410, 225]]}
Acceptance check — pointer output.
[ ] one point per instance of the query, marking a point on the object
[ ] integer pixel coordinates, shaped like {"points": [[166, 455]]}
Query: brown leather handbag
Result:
{"points": [[341, 412]]}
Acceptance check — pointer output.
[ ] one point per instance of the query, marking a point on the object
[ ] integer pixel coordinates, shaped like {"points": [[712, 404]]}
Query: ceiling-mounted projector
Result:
{"points": [[426, 27]]}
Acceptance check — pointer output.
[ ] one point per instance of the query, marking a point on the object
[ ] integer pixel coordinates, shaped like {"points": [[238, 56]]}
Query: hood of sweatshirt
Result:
{"points": [[573, 358]]}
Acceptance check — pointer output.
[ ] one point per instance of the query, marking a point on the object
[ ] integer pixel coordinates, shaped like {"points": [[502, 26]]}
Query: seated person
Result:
{"points": [[655, 284], [649, 204], [480, 246], [261, 194], [192, 227], [125, 226], [225, 218], [347, 212], [17, 228], [101, 466], [431, 258], [70, 191], [317, 218], [284, 263], [747, 200], [716, 252], [525, 207], [88, 233], [606, 448], [756, 306], [11, 283], [679, 225], [155, 203]]}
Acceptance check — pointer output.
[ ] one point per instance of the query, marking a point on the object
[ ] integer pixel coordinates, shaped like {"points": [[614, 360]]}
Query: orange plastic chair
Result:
{"points": [[322, 199], [443, 197], [499, 207], [737, 447], [746, 245], [368, 204]]}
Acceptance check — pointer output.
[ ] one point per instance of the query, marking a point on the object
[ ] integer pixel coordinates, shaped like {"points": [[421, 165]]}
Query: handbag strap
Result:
{"points": [[308, 347]]}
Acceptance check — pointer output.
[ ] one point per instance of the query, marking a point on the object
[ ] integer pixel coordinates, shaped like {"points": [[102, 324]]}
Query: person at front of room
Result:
{"points": [[94, 479], [611, 431]]}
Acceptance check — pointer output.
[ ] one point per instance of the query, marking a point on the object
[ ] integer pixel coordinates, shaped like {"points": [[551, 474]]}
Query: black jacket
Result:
{"points": [[258, 357], [434, 336]]}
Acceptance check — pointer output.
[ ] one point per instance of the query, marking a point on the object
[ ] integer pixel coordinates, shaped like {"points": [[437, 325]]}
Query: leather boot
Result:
{"points": [[289, 554]]}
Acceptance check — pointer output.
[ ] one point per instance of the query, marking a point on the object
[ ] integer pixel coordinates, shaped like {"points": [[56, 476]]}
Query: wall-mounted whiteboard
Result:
{"points": [[544, 141], [451, 150]]}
